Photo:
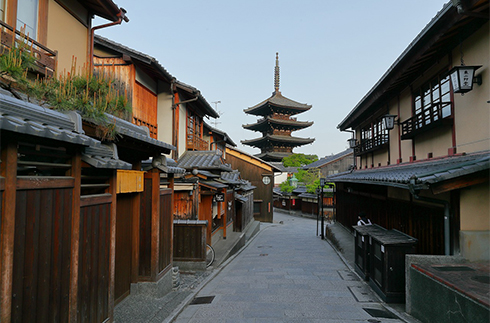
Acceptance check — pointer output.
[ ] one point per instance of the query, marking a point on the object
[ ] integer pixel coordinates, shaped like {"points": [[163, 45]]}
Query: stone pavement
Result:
{"points": [[288, 274]]}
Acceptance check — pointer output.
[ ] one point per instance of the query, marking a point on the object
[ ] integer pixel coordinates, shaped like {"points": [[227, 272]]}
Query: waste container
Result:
{"points": [[361, 247], [387, 263]]}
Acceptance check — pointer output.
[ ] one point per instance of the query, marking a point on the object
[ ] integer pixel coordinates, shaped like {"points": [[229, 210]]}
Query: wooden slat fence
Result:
{"points": [[41, 272], [94, 258], [189, 240]]}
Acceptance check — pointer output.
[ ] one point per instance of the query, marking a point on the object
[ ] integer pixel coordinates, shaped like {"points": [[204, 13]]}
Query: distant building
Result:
{"points": [[276, 124], [334, 164]]}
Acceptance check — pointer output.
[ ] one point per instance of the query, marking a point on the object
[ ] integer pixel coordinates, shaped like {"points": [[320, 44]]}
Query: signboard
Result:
{"points": [[219, 197]]}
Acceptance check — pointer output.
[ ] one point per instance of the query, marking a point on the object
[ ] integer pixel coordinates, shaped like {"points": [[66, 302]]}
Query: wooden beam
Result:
{"points": [[76, 173], [461, 182], [112, 246], [8, 169], [135, 227], [155, 222]]}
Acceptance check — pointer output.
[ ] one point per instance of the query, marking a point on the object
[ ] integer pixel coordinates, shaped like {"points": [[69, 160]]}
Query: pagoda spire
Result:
{"points": [[276, 75]]}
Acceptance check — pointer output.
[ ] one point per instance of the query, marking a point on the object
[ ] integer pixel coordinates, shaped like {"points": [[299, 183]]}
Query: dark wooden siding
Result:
{"points": [[94, 260], [183, 205], [123, 246], [41, 272], [145, 229], [254, 174], [423, 222], [166, 224], [189, 242]]}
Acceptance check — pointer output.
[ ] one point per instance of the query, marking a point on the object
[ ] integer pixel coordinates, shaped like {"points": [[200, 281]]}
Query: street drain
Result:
{"points": [[202, 300], [263, 254], [380, 313]]}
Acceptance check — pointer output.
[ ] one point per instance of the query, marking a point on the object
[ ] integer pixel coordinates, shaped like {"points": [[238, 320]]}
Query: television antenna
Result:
{"points": [[215, 122]]}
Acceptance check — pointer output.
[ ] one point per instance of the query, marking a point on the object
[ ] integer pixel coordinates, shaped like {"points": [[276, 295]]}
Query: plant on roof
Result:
{"points": [[92, 95]]}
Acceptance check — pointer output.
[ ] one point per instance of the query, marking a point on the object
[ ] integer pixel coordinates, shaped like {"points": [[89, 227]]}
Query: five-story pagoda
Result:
{"points": [[276, 124]]}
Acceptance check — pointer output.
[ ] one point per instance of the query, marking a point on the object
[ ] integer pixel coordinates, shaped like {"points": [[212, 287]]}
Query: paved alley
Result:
{"points": [[286, 274]]}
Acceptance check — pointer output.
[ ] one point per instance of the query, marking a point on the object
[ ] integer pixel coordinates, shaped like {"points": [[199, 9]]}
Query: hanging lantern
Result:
{"points": [[389, 121], [462, 78]]}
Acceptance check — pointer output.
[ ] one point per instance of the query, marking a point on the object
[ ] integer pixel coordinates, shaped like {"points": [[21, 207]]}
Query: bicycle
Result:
{"points": [[210, 255]]}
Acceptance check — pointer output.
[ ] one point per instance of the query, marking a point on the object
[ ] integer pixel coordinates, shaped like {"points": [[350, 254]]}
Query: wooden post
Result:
{"points": [[135, 227], [112, 245], [171, 185], [225, 216], [76, 173], [155, 222], [8, 169]]}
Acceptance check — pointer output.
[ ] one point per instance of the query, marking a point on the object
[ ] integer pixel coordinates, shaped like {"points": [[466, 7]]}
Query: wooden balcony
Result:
{"points": [[46, 58], [196, 143], [369, 145], [435, 115]]}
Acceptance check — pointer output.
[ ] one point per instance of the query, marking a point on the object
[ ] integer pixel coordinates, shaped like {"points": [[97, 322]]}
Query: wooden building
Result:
{"points": [[426, 177], [261, 175], [277, 125]]}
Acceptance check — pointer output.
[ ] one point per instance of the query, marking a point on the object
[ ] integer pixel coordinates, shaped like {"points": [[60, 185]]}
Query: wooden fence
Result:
{"points": [[190, 240]]}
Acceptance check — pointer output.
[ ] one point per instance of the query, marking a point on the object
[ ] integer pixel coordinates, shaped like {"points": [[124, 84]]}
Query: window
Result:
{"points": [[373, 136], [27, 14], [431, 106], [433, 101]]}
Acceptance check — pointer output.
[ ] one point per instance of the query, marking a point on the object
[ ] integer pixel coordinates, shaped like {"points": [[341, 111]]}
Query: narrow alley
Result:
{"points": [[286, 274]]}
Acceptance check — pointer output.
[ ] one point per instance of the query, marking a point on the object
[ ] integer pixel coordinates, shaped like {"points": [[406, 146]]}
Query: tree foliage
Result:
{"points": [[298, 160]]}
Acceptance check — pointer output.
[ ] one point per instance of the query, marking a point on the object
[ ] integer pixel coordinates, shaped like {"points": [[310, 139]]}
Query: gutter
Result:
{"points": [[447, 231], [121, 16]]}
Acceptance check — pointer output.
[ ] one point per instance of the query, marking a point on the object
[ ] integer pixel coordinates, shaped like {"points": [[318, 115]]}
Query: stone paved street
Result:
{"points": [[287, 274]]}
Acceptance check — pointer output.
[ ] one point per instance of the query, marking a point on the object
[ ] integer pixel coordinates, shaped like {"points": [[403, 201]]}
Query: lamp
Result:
{"points": [[389, 121], [352, 142], [462, 78]]}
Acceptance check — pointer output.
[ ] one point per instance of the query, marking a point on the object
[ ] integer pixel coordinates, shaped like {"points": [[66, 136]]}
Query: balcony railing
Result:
{"points": [[436, 114], [369, 145], [196, 143], [45, 58]]}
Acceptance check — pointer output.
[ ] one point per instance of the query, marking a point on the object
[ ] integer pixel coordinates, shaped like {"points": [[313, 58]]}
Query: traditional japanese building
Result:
{"points": [[277, 124]]}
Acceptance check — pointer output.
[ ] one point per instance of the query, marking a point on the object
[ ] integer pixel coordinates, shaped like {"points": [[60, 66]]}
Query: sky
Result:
{"points": [[331, 53]]}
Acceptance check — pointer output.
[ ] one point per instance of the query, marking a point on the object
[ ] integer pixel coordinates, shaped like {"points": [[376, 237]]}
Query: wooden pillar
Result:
{"points": [[155, 222], [135, 227], [8, 169], [171, 185], [225, 215], [76, 173], [112, 245]]}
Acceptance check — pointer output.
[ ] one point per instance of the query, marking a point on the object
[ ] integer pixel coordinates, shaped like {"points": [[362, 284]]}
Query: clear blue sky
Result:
{"points": [[331, 53]]}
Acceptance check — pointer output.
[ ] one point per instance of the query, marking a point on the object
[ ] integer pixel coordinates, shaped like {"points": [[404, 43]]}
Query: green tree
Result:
{"points": [[298, 160]]}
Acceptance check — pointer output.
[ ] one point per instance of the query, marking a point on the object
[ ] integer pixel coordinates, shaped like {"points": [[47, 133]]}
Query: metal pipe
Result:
{"points": [[447, 223], [121, 16]]}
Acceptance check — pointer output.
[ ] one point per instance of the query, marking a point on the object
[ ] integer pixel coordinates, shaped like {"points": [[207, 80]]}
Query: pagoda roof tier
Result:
{"points": [[271, 140], [273, 156], [277, 103], [269, 122]]}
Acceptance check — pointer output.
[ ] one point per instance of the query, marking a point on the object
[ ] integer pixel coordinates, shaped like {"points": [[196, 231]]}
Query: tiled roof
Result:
{"points": [[227, 138], [140, 133], [421, 174], [277, 99], [147, 59], [328, 159], [232, 177], [27, 118], [278, 138], [104, 156], [207, 160]]}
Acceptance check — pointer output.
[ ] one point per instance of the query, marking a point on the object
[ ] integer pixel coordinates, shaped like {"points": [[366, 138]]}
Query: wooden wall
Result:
{"points": [[41, 269], [254, 174], [423, 222], [94, 261], [189, 242], [166, 231]]}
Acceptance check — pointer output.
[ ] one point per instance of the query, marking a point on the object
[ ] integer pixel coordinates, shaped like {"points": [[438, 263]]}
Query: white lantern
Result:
{"points": [[462, 78], [389, 121]]}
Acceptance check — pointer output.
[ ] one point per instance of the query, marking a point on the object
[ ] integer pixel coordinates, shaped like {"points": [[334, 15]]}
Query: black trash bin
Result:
{"points": [[387, 263], [361, 247]]}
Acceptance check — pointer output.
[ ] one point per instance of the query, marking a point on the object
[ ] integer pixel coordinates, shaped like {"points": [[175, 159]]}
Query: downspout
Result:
{"points": [[447, 231], [121, 16]]}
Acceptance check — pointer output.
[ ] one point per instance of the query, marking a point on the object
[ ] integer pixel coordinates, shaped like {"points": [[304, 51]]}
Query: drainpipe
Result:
{"points": [[121, 16], [447, 231]]}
